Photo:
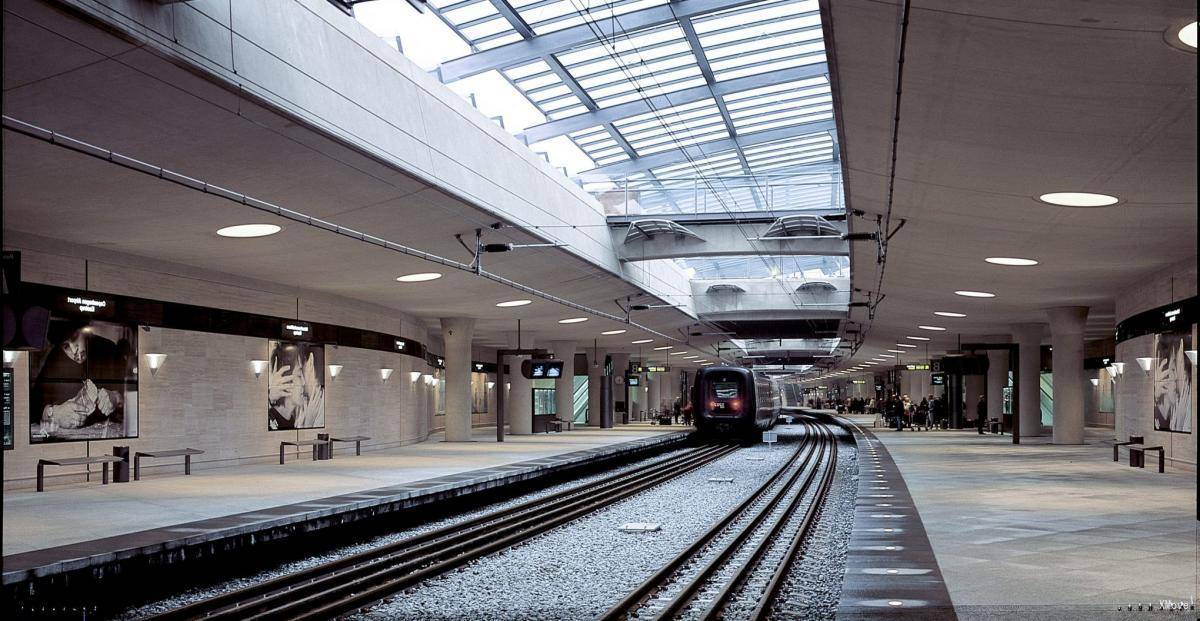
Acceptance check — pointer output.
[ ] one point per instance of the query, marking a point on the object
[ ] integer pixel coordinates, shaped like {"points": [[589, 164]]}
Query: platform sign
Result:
{"points": [[917, 367], [654, 369], [542, 369], [632, 380], [770, 437], [292, 330], [938, 379], [8, 407]]}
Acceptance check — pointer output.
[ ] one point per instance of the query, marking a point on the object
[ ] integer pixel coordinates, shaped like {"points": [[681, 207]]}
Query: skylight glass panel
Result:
{"points": [[490, 27], [488, 44], [524, 71], [755, 13], [463, 14]]}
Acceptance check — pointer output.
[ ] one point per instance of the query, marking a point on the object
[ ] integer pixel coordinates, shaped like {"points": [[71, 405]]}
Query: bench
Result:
{"points": [[312, 443], [569, 424], [186, 453], [996, 426], [1132, 440], [1137, 457], [74, 461], [357, 440], [546, 422]]}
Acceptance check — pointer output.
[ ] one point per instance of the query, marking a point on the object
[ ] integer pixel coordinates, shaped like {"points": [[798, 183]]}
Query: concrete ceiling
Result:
{"points": [[1003, 102], [81, 82]]}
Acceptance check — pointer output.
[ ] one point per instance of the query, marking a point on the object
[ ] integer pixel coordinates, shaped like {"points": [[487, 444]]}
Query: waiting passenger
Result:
{"points": [[981, 413]]}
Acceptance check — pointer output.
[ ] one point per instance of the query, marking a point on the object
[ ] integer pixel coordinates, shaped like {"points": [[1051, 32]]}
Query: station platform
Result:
{"points": [[90, 526], [1043, 531]]}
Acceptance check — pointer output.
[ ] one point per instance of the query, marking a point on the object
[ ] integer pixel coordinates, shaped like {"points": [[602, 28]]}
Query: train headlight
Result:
{"points": [[712, 405], [735, 404]]}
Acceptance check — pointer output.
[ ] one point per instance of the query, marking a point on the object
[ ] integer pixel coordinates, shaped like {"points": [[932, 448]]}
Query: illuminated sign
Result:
{"points": [[632, 380], [1172, 314], [939, 379], [87, 305], [917, 367], [542, 369], [654, 369], [296, 329], [478, 366], [400, 345], [858, 381]]}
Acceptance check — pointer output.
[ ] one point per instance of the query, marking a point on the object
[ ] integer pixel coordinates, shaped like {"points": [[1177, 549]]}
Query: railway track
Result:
{"points": [[354, 581], [744, 558]]}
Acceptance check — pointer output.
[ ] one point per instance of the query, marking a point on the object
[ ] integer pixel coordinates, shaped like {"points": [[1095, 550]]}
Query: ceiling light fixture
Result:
{"points": [[512, 303], [1078, 199], [1013, 261], [249, 230], [975, 294], [896, 351], [573, 320], [917, 338], [642, 341], [663, 347], [910, 345], [420, 277], [932, 328], [612, 332], [1187, 36], [948, 314], [677, 353]]}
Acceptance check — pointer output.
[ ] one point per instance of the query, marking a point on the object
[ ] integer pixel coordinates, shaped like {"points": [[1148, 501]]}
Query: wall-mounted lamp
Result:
{"points": [[384, 374], [491, 385], [336, 369], [1190, 353], [414, 376], [507, 385], [9, 356], [1120, 367], [154, 361], [1095, 381], [1145, 363], [428, 379], [258, 366], [435, 381]]}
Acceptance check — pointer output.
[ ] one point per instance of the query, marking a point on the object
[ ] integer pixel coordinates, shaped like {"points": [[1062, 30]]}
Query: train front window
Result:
{"points": [[725, 390]]}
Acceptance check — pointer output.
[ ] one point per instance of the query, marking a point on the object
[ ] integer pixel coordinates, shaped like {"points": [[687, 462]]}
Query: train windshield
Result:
{"points": [[725, 390]]}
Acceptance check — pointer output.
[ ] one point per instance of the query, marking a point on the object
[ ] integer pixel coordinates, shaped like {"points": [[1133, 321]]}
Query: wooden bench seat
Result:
{"points": [[105, 460], [1137, 456], [185, 453]]}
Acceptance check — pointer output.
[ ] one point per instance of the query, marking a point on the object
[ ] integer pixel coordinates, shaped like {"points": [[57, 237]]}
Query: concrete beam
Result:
{"points": [[725, 239]]}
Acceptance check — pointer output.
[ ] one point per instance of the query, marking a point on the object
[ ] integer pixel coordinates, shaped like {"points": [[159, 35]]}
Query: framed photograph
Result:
{"points": [[1172, 383], [296, 386], [84, 384]]}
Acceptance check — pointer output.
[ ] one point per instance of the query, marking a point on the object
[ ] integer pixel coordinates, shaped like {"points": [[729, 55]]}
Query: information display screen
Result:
{"points": [[542, 369], [632, 380]]}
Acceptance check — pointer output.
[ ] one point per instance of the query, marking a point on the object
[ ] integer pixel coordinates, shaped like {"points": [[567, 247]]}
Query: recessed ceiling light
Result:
{"points": [[1010, 261], [677, 353], [1187, 35], [933, 328], [640, 341], [975, 294], [948, 314], [663, 347], [249, 230], [612, 332], [1078, 199], [905, 345], [511, 303], [421, 277], [896, 351], [573, 320], [691, 357], [917, 338]]}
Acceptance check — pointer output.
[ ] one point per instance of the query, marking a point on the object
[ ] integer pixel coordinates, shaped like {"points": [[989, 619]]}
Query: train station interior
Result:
{"points": [[600, 309]]}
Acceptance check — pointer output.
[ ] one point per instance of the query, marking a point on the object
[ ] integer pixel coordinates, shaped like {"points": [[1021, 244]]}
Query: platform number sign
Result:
{"points": [[8, 408], [770, 437]]}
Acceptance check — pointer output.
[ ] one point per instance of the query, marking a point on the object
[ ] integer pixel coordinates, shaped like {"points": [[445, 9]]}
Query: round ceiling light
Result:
{"points": [[612, 332], [512, 303], [573, 320], [249, 230], [641, 341], [933, 328], [917, 338], [948, 314], [1185, 35], [975, 294], [1078, 199], [1010, 261], [421, 277]]}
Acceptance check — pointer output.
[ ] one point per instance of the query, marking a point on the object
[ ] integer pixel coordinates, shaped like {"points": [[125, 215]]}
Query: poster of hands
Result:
{"points": [[296, 386], [1173, 383], [84, 384]]}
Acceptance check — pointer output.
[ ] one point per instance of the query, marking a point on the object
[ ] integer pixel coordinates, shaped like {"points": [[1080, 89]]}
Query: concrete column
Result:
{"points": [[518, 409], [1066, 339], [456, 334], [997, 379], [564, 385], [1029, 370], [654, 394], [620, 365], [595, 377]]}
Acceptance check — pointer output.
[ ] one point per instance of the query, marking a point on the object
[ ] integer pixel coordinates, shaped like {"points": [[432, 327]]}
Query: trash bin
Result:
{"points": [[121, 468], [324, 451]]}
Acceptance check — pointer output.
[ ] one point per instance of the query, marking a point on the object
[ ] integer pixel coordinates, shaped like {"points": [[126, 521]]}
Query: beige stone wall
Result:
{"points": [[1133, 394], [206, 396]]}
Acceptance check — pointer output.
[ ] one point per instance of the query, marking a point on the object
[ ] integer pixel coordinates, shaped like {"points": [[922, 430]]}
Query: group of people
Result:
{"points": [[900, 412]]}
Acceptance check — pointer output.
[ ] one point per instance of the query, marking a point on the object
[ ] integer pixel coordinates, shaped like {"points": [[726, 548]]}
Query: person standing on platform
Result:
{"points": [[981, 413]]}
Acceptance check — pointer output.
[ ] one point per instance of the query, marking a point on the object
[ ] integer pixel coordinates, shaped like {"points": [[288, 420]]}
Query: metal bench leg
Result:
{"points": [[187, 464], [1115, 453], [358, 447], [104, 481], [137, 467], [281, 447], [1162, 461], [41, 474], [314, 452]]}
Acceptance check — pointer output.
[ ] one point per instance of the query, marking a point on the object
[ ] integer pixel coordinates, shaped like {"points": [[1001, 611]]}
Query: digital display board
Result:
{"points": [[938, 379], [917, 367], [632, 380], [296, 330], [662, 368], [542, 369]]}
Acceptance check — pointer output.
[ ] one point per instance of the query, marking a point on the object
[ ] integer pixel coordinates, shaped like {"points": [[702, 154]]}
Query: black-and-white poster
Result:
{"points": [[1173, 383], [84, 384], [296, 386]]}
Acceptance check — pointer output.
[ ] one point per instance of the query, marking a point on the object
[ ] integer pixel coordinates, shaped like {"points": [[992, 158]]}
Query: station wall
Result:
{"points": [[1134, 390], [205, 395]]}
